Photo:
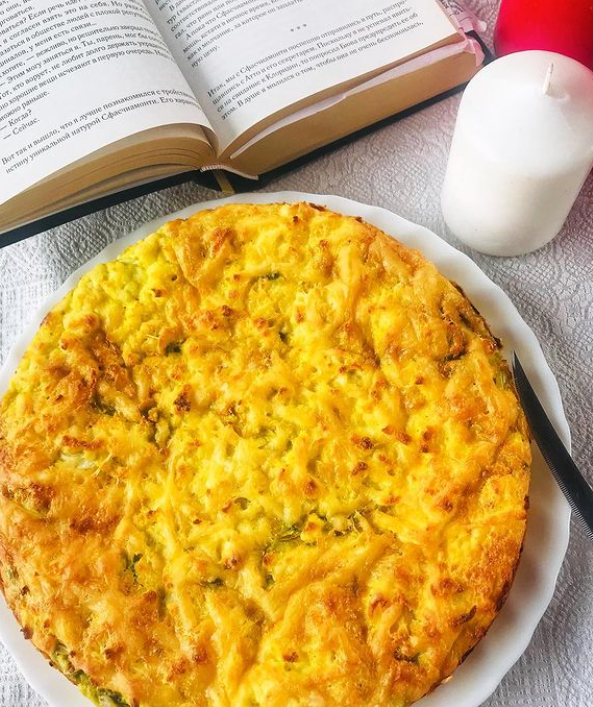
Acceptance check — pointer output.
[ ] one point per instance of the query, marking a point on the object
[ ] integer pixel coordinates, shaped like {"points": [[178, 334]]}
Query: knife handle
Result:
{"points": [[572, 482]]}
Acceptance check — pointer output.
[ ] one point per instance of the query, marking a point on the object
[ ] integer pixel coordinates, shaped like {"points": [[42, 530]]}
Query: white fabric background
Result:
{"points": [[401, 168]]}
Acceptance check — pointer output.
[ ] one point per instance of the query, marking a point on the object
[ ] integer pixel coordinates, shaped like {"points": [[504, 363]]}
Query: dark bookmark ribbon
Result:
{"points": [[573, 484]]}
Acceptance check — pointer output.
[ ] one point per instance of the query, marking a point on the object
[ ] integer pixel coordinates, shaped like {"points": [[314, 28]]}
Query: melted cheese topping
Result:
{"points": [[267, 456]]}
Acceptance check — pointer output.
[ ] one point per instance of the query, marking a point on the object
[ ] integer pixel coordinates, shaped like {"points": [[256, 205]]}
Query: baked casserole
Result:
{"points": [[266, 457]]}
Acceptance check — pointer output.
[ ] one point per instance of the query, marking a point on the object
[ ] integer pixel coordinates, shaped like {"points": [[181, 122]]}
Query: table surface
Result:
{"points": [[401, 168]]}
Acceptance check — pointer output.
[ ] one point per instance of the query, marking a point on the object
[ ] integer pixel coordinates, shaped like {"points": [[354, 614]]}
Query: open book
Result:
{"points": [[100, 95]]}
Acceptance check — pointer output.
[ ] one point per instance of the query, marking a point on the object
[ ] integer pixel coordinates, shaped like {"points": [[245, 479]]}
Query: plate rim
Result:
{"points": [[58, 691]]}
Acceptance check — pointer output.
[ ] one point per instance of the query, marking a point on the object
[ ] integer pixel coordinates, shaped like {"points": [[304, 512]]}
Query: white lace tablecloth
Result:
{"points": [[401, 168]]}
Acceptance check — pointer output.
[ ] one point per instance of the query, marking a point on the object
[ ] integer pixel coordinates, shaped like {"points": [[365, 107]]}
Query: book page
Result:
{"points": [[76, 76], [248, 59]]}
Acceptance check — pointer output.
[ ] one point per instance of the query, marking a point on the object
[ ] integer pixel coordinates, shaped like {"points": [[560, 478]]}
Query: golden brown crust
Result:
{"points": [[267, 454]]}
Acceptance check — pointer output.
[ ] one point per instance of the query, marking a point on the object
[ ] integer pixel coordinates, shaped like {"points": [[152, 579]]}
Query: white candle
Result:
{"points": [[522, 148]]}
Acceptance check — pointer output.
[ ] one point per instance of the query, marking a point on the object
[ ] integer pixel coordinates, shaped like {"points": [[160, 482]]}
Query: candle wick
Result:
{"points": [[548, 79]]}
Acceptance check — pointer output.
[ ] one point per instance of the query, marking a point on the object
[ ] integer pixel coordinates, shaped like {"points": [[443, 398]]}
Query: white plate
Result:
{"points": [[549, 515]]}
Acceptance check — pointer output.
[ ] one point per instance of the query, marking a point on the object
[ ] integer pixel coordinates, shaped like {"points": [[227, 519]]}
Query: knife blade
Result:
{"points": [[572, 482]]}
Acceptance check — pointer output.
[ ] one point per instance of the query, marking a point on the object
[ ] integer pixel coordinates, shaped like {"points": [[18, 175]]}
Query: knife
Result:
{"points": [[573, 484]]}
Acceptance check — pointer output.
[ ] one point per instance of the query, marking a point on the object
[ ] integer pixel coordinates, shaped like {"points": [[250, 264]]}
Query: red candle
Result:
{"points": [[563, 27]]}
